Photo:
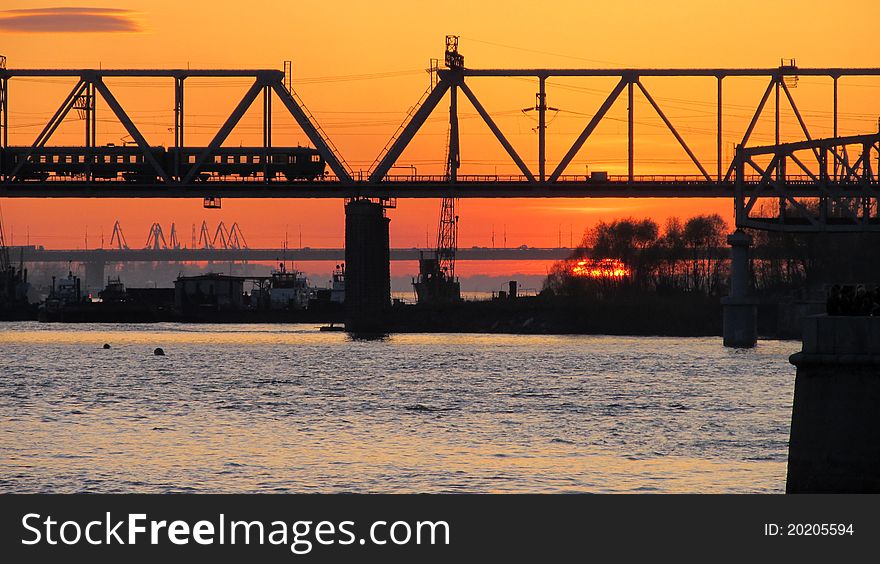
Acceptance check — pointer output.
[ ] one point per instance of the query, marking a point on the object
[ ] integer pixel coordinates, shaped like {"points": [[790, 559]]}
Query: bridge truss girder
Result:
{"points": [[748, 179], [844, 185], [629, 80], [91, 82]]}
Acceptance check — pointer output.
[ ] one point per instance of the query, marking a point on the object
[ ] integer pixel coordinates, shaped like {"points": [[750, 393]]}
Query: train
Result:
{"points": [[129, 163]]}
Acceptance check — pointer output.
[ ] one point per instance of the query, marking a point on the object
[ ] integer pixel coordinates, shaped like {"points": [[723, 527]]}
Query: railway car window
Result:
{"points": [[218, 159], [81, 159], [42, 158], [192, 159], [316, 158]]}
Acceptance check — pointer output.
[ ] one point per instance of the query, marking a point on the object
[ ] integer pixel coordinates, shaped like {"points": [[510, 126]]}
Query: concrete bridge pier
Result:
{"points": [[835, 418], [739, 311], [367, 267]]}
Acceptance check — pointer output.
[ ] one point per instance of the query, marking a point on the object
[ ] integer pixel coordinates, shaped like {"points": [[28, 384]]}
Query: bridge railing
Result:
{"points": [[435, 179]]}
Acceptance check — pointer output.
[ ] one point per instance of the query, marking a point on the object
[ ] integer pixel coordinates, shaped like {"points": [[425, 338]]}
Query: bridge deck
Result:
{"points": [[471, 186]]}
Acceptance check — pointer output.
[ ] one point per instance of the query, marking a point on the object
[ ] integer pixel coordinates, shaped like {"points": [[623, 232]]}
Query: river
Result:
{"points": [[286, 408]]}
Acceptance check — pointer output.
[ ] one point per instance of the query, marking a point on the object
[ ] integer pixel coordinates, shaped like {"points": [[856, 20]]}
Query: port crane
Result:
{"points": [[437, 282]]}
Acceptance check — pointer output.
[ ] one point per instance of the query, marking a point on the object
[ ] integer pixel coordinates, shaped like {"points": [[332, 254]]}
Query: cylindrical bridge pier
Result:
{"points": [[367, 267], [740, 312]]}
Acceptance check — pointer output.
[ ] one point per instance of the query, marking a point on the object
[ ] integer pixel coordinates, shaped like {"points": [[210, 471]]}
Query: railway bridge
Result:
{"points": [[825, 184]]}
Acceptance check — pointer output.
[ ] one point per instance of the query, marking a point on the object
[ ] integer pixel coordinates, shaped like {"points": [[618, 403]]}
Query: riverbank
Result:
{"points": [[683, 315], [676, 315]]}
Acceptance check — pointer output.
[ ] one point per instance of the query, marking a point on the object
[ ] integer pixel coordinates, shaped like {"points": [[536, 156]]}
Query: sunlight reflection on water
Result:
{"points": [[286, 408]]}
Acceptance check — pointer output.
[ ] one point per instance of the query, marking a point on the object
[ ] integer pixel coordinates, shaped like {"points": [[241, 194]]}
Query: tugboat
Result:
{"points": [[67, 292], [337, 295], [337, 285], [114, 292], [288, 290]]}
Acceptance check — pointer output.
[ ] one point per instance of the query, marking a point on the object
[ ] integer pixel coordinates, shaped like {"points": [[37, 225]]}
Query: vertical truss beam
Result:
{"points": [[720, 137], [542, 127], [91, 115], [267, 116], [588, 130], [129, 126], [497, 132], [410, 130], [776, 108], [311, 132], [178, 122], [834, 112], [4, 111], [453, 160], [630, 130]]}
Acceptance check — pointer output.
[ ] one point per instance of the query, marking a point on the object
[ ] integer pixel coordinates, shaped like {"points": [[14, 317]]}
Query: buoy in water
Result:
{"points": [[106, 346], [159, 352]]}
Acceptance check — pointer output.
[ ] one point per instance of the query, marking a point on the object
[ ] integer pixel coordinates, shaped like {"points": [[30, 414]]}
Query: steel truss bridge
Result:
{"points": [[812, 185]]}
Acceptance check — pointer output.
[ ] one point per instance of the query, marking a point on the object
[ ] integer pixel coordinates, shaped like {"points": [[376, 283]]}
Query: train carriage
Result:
{"points": [[293, 163], [128, 163], [109, 162]]}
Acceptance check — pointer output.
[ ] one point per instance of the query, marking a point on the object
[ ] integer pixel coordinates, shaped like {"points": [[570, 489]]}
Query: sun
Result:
{"points": [[607, 269]]}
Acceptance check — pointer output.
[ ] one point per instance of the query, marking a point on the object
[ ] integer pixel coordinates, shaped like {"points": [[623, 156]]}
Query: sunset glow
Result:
{"points": [[600, 269], [360, 89]]}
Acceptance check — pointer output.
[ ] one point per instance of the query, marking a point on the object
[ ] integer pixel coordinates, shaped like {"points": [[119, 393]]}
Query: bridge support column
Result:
{"points": [[367, 267], [94, 281], [739, 311], [835, 418]]}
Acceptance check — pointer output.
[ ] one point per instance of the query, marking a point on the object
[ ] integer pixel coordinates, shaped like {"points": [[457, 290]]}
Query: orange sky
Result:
{"points": [[359, 66]]}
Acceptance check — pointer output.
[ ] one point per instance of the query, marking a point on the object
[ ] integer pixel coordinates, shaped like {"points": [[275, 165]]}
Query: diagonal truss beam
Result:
{"points": [[409, 131], [130, 127], [53, 124], [497, 132], [311, 132], [226, 129], [800, 119], [582, 138], [673, 130], [804, 168], [752, 123]]}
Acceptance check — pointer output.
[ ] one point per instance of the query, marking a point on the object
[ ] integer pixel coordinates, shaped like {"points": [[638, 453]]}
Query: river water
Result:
{"points": [[286, 408]]}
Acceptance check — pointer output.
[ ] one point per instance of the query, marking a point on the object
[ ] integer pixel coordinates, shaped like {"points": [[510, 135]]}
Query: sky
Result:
{"points": [[360, 66]]}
